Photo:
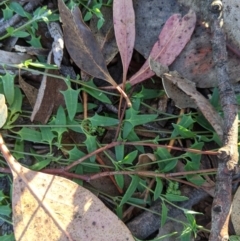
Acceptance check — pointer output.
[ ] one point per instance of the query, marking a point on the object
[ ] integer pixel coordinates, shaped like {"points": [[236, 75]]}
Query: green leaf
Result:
{"points": [[88, 16], [158, 188], [119, 152], [170, 165], [18, 149], [164, 214], [98, 120], [28, 134], [40, 165], [75, 126], [175, 198], [8, 86], [97, 94], [133, 119], [120, 180], [131, 189], [71, 100], [20, 34], [60, 120], [16, 7], [9, 237], [133, 137], [2, 196], [163, 153], [7, 13], [100, 23], [3, 110], [75, 154], [129, 158], [47, 134], [91, 145], [5, 210], [185, 122], [183, 132]]}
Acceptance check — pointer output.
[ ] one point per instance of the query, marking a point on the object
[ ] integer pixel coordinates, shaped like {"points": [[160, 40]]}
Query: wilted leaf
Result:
{"points": [[124, 27], [172, 39], [48, 207], [3, 110], [145, 161]]}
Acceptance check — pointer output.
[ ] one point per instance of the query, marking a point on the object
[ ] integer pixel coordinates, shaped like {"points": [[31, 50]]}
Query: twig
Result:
{"points": [[113, 144], [228, 154]]}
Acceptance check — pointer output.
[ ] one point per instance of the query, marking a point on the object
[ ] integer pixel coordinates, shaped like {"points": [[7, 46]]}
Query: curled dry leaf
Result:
{"points": [[58, 43], [3, 110], [124, 27], [145, 161], [172, 39], [181, 99], [83, 47], [48, 207]]}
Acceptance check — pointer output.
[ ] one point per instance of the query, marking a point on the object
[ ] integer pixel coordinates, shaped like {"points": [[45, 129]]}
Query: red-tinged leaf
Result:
{"points": [[124, 27], [172, 39]]}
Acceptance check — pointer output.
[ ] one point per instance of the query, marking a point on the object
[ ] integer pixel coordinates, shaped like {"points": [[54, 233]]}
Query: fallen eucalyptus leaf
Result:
{"points": [[172, 39], [83, 47], [48, 207], [124, 27]]}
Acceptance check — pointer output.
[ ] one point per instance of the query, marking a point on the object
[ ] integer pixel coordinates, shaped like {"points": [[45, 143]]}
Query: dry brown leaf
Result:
{"points": [[48, 207], [30, 91], [181, 99], [145, 161], [105, 36], [49, 97], [235, 216], [83, 47]]}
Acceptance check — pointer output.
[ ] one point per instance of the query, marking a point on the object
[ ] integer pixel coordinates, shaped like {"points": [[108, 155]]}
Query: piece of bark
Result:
{"points": [[228, 154]]}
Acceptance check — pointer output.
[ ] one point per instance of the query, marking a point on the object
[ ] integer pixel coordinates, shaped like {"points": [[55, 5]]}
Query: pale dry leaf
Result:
{"points": [[48, 207], [202, 103], [3, 110], [58, 43], [235, 216], [145, 161]]}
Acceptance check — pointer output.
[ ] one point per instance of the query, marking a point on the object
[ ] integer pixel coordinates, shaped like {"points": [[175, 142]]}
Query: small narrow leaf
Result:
{"points": [[98, 120], [8, 86], [172, 39], [124, 27], [71, 100], [158, 188], [131, 189], [164, 214]]}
